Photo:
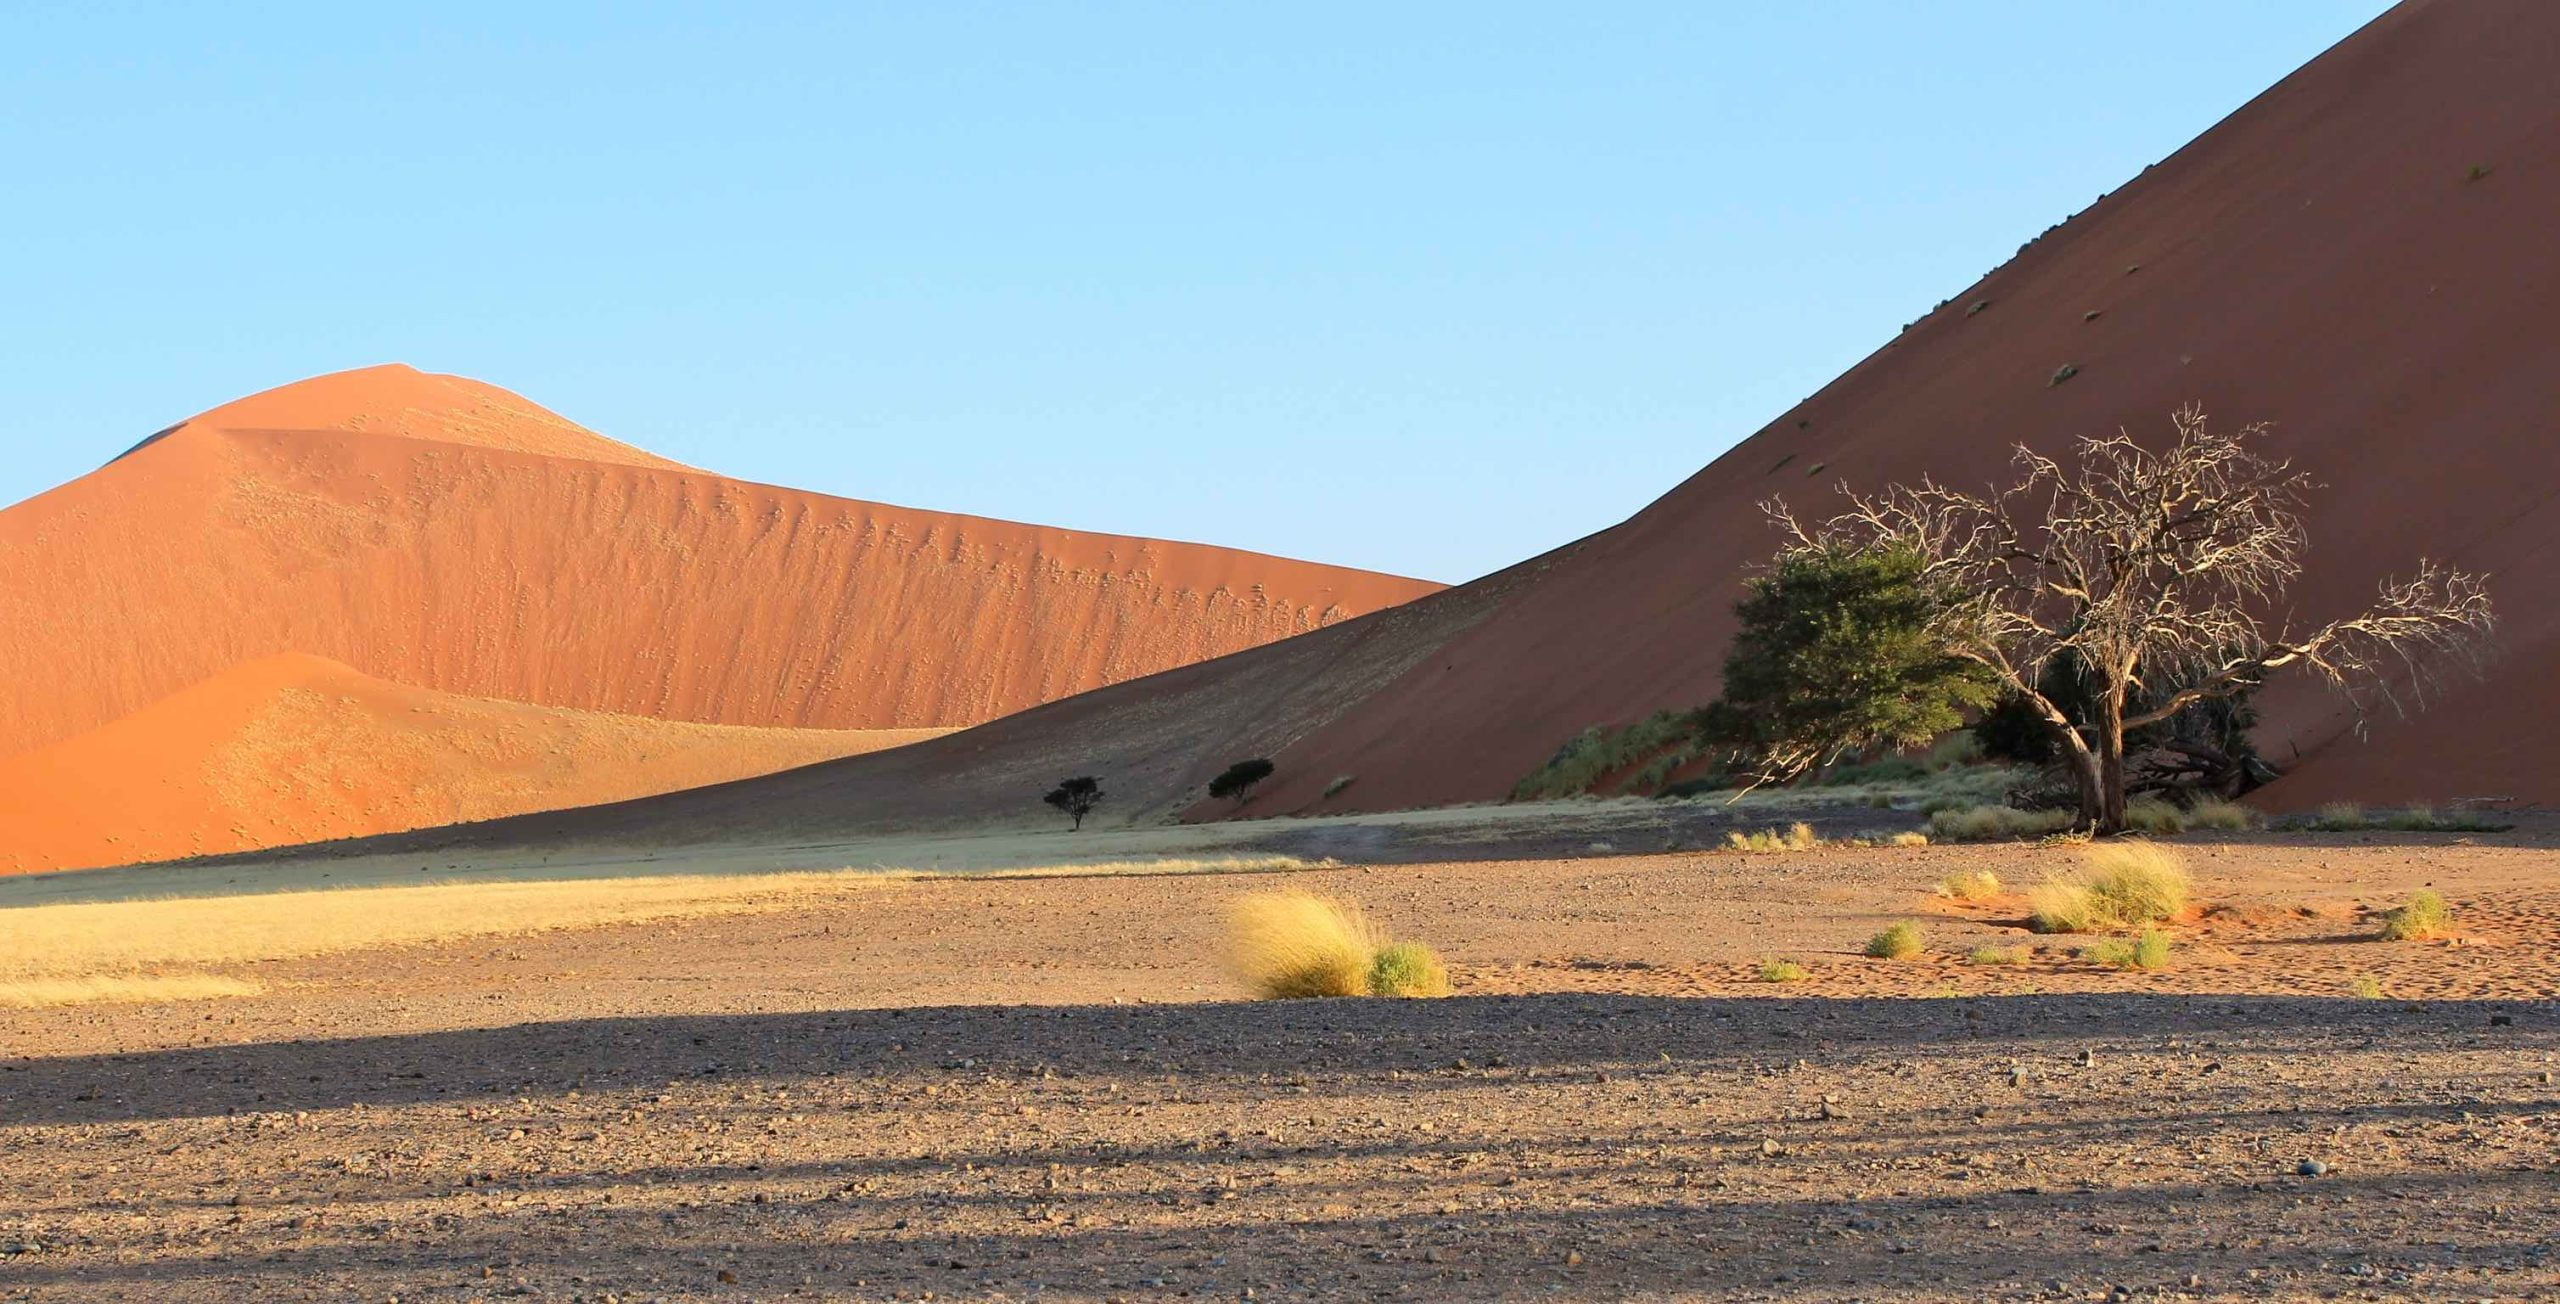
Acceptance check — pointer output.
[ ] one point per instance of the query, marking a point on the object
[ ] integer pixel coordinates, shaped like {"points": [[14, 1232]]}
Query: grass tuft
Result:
{"points": [[2148, 951], [1407, 969], [1783, 971], [1292, 944], [2423, 917], [1996, 955], [1900, 942], [2365, 987], [2222, 816], [2119, 885], [1970, 885]]}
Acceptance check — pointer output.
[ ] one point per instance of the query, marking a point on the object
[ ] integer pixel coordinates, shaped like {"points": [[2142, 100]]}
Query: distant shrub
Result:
{"points": [[2365, 986], [1578, 767], [1237, 782], [1407, 969], [1994, 823], [2348, 817], [1076, 798], [1908, 838], [1996, 955], [2425, 915], [1783, 971], [2062, 373], [1970, 885], [1340, 782], [1899, 942]]}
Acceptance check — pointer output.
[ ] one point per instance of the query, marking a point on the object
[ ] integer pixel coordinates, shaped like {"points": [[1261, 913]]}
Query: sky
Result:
{"points": [[1425, 288]]}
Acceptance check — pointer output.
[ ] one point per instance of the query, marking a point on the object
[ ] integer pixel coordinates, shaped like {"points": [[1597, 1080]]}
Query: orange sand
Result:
{"points": [[297, 749], [447, 537]]}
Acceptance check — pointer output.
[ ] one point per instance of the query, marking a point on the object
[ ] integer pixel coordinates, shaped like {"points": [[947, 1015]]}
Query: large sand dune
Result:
{"points": [[440, 535], [2328, 259], [292, 748]]}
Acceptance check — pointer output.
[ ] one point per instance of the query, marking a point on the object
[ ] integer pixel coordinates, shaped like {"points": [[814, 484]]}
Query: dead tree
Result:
{"points": [[2154, 571]]}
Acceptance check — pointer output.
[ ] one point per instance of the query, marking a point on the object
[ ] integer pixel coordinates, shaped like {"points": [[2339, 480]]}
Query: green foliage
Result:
{"points": [[2003, 956], [1237, 781], [1835, 656], [2120, 885], [1076, 797], [1666, 739], [1783, 971], [2348, 817], [1340, 782]]}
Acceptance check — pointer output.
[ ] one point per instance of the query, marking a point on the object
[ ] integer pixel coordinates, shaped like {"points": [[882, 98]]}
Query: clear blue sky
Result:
{"points": [[1428, 288]]}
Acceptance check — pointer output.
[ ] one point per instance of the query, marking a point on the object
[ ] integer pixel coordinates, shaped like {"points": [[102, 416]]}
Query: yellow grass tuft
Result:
{"points": [[2149, 951], [1407, 969], [1899, 942], [1783, 971], [1970, 885], [2222, 816], [1292, 944], [2423, 917], [1996, 955], [2119, 885]]}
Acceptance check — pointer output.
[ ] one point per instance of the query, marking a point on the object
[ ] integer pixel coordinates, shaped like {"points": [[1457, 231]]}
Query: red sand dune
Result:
{"points": [[2325, 259], [439, 534], [293, 748]]}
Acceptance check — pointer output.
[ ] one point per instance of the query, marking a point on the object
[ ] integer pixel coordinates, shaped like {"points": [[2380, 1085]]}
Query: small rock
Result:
{"points": [[2311, 1168]]}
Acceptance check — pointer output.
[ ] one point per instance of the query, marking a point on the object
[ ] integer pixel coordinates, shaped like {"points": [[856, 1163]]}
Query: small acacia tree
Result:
{"points": [[1237, 781], [1077, 797], [2152, 571], [1838, 652]]}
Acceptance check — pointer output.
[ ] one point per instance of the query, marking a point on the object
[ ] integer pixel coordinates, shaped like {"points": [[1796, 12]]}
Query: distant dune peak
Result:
{"points": [[397, 399]]}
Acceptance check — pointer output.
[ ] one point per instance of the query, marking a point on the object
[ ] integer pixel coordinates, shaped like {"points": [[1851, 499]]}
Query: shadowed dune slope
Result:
{"points": [[2325, 259], [441, 534], [292, 749]]}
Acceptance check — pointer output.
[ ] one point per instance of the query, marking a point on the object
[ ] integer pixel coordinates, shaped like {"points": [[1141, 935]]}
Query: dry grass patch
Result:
{"points": [[1995, 823], [1996, 955], [48, 993], [1293, 944], [1798, 836], [1970, 885], [2118, 885], [157, 949], [1783, 971], [2424, 917]]}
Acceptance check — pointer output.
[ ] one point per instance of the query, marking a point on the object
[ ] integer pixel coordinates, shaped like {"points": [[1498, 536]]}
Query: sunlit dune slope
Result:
{"points": [[446, 535], [295, 749], [2362, 255]]}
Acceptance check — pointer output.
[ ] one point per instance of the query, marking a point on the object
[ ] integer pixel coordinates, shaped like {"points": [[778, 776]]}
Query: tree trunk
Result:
{"points": [[2110, 740]]}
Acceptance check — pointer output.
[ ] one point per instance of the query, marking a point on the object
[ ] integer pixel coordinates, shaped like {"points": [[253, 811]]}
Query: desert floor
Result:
{"points": [[1004, 1087]]}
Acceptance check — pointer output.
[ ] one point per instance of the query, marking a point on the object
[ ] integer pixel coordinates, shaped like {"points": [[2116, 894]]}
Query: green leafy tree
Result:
{"points": [[1838, 652], [1076, 797], [1237, 781]]}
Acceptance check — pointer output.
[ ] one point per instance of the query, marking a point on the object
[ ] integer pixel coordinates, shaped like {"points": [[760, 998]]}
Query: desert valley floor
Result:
{"points": [[1002, 1087]]}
